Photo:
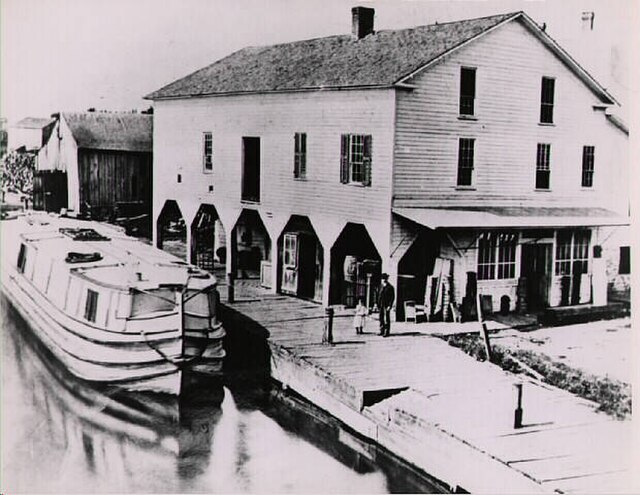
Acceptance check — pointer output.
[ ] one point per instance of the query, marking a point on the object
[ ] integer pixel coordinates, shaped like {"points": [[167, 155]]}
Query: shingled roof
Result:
{"points": [[378, 60], [34, 123], [111, 131]]}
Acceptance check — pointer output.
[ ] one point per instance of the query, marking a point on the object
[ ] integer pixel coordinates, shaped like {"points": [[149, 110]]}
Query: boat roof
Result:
{"points": [[124, 262]]}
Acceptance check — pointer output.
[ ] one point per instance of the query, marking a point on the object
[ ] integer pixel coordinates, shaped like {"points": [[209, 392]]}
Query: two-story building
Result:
{"points": [[461, 158]]}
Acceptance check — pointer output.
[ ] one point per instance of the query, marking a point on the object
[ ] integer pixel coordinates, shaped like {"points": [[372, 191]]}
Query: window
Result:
{"points": [[587, 165], [467, 90], [91, 306], [250, 169], [546, 100], [465, 161], [494, 246], [572, 252], [543, 166], [300, 155], [355, 159], [625, 260], [207, 151], [22, 258]]}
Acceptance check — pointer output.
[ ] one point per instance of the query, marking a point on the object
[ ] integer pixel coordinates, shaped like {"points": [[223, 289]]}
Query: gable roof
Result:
{"points": [[33, 123], [382, 59], [111, 131]]}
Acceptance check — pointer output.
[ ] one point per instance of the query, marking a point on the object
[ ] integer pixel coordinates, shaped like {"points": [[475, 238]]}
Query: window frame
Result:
{"points": [[572, 252], [543, 167], [547, 99], [91, 305], [300, 155], [207, 152], [356, 149], [497, 255], [21, 262], [466, 157], [466, 101], [588, 165]]}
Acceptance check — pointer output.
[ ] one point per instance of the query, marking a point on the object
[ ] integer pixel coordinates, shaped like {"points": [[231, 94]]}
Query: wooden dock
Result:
{"points": [[436, 407]]}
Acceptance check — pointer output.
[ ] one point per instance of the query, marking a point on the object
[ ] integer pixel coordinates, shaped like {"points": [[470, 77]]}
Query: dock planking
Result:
{"points": [[432, 386]]}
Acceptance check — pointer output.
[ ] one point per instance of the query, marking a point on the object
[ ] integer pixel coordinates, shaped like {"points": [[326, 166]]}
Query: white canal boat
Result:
{"points": [[112, 309]]}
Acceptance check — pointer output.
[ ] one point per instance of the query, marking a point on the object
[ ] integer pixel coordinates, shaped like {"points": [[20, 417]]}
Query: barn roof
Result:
{"points": [[382, 59], [33, 123], [112, 131]]}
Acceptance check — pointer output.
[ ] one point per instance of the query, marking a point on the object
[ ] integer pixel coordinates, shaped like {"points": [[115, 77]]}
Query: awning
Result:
{"points": [[511, 216]]}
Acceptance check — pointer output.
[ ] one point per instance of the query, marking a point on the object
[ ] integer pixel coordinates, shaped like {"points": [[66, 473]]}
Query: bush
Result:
{"points": [[612, 396]]}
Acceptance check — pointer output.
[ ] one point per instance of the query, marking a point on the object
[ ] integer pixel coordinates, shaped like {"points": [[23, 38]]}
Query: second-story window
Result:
{"points": [[300, 155], [465, 161], [207, 152], [543, 166], [355, 159], [546, 100], [467, 90], [588, 153]]}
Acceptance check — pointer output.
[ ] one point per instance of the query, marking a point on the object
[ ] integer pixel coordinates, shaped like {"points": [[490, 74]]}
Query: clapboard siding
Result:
{"points": [[324, 116], [107, 177], [510, 64]]}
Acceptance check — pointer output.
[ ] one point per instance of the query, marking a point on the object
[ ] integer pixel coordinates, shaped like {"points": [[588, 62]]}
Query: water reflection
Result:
{"points": [[61, 435]]}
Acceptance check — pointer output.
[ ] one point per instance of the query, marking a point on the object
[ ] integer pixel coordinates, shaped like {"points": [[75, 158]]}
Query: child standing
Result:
{"points": [[360, 317]]}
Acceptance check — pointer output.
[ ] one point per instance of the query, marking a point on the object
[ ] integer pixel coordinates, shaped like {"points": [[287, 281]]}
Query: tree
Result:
{"points": [[17, 172]]}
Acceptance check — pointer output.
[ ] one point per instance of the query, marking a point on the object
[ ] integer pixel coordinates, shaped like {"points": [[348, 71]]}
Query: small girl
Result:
{"points": [[360, 317]]}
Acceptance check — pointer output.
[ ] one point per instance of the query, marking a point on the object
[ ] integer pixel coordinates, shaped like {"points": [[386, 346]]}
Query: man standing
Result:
{"points": [[386, 297]]}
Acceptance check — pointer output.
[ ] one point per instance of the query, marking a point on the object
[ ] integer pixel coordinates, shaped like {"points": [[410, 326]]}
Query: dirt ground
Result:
{"points": [[602, 348]]}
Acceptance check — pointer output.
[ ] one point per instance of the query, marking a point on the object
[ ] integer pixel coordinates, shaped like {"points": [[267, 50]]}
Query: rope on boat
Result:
{"points": [[177, 363]]}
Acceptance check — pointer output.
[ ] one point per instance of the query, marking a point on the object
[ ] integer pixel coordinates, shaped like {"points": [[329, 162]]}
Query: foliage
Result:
{"points": [[612, 396], [17, 172]]}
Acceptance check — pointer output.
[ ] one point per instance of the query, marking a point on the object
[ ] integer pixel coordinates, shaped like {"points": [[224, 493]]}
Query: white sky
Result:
{"points": [[65, 55]]}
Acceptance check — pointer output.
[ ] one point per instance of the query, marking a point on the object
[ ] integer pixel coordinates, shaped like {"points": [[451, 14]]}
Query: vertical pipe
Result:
{"points": [[230, 288], [517, 419], [327, 337]]}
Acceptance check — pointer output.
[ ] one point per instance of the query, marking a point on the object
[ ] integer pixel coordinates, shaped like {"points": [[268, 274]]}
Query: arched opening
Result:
{"points": [[208, 240], [301, 259], [253, 247], [415, 270], [355, 267], [172, 230]]}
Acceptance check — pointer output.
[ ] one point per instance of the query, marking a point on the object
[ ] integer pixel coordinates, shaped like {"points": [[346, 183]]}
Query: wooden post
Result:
{"points": [[483, 329], [230, 288], [368, 290], [517, 419], [327, 336]]}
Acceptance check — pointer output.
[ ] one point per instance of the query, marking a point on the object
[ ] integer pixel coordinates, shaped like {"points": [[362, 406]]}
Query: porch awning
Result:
{"points": [[511, 216]]}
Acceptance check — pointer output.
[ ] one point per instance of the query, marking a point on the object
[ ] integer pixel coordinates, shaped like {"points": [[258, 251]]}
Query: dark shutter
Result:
{"points": [[303, 155], [366, 162], [344, 159]]}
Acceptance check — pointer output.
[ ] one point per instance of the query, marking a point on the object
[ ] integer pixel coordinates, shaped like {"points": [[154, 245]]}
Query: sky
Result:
{"points": [[70, 55]]}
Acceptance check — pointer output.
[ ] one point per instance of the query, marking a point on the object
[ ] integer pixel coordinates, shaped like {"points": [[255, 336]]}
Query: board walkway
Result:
{"points": [[438, 408]]}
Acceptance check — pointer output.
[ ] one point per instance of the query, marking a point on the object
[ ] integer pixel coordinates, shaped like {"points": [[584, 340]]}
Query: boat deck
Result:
{"points": [[438, 408]]}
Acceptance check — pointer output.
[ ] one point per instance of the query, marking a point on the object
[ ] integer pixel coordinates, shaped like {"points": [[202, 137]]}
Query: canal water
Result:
{"points": [[60, 435]]}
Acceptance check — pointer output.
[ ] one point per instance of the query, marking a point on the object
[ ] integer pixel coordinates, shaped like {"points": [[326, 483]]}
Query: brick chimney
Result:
{"points": [[362, 21]]}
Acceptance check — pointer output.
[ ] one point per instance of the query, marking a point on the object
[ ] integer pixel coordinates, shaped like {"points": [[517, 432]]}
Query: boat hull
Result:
{"points": [[143, 357]]}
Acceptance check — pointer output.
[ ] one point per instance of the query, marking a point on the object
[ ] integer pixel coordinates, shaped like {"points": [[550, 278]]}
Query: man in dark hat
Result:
{"points": [[386, 297]]}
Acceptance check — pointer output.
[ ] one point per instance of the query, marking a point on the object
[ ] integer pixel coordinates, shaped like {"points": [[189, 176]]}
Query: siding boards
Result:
{"points": [[106, 177], [323, 116], [510, 64]]}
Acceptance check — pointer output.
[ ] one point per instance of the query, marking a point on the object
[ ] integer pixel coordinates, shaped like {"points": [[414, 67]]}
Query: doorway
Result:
{"points": [[536, 268]]}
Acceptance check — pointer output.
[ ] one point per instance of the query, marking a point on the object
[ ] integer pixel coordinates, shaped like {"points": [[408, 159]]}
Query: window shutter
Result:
{"points": [[303, 155], [344, 159], [367, 161]]}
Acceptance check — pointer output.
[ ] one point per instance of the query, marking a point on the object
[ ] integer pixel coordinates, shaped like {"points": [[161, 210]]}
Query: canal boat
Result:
{"points": [[111, 308]]}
